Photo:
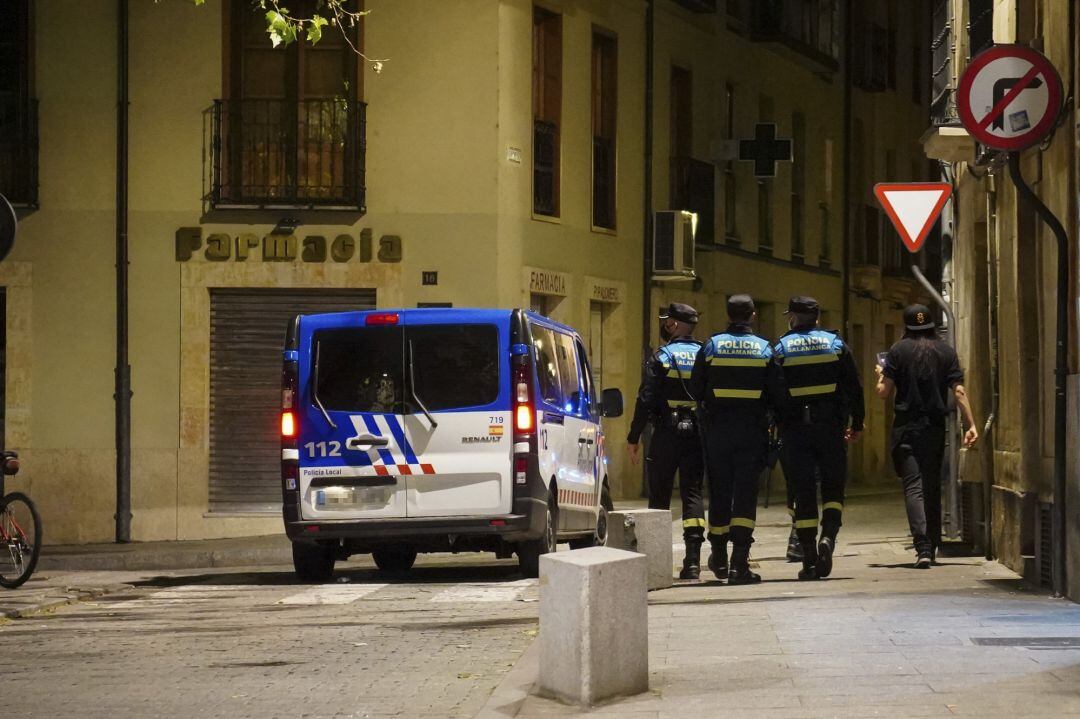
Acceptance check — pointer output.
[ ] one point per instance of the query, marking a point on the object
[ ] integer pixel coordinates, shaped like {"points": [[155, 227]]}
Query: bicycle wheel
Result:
{"points": [[20, 539]]}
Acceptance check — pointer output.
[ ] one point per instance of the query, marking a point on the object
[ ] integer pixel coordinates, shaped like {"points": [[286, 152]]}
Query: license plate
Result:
{"points": [[352, 497]]}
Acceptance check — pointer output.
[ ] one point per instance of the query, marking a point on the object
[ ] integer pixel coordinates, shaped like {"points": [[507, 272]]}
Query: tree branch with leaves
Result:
{"points": [[284, 27]]}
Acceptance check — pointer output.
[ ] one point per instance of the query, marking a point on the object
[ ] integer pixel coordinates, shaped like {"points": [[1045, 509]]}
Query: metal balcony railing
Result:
{"points": [[942, 102], [810, 27], [980, 25], [283, 153], [545, 168], [693, 188], [19, 152], [698, 5]]}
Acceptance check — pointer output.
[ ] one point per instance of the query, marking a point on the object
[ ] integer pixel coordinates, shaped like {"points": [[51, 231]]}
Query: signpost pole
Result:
{"points": [[1060, 366]]}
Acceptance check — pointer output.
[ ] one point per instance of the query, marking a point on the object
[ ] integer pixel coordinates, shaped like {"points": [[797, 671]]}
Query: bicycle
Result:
{"points": [[20, 529]]}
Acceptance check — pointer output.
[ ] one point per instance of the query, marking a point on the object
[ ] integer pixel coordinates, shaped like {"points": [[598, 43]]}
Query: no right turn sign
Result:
{"points": [[1009, 97]]}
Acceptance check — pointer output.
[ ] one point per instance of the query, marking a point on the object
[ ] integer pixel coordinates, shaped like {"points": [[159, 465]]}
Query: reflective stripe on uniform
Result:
{"points": [[719, 531], [677, 373], [805, 523], [694, 522], [738, 393], [791, 511], [813, 389], [738, 361], [811, 359], [681, 403], [742, 522], [838, 506]]}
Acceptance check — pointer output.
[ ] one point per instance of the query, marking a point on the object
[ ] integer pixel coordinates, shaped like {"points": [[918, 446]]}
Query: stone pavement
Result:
{"points": [[876, 639]]}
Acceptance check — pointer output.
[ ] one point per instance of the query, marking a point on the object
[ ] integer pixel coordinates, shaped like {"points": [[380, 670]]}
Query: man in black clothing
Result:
{"points": [[923, 371], [666, 400], [821, 394]]}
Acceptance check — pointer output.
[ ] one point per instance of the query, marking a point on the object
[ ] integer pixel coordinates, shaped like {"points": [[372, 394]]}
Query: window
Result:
{"points": [[290, 130], [587, 383], [547, 110], [604, 93], [798, 185], [455, 366], [682, 119], [569, 380], [547, 367], [18, 109], [765, 223], [825, 257], [731, 190], [980, 25]]}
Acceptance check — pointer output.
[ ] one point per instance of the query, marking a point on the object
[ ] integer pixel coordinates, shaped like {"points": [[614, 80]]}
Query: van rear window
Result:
{"points": [[455, 366], [366, 369], [360, 369]]}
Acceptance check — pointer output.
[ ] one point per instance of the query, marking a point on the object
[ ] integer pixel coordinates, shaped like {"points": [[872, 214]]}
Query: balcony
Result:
{"points": [[810, 28], [545, 168], [280, 153], [703, 6], [19, 153], [693, 188]]}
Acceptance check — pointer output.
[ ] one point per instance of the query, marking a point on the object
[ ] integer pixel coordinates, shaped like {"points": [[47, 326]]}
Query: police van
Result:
{"points": [[439, 430]]}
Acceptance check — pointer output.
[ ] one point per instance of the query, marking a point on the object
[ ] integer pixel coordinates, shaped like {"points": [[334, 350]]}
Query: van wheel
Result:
{"points": [[600, 536], [394, 559], [313, 562], [529, 552]]}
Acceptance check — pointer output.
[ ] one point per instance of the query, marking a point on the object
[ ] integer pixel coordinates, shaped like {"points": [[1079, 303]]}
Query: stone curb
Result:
{"points": [[137, 559], [66, 596], [509, 696]]}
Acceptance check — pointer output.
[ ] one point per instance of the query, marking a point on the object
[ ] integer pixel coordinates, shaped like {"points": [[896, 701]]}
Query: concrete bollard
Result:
{"points": [[648, 532], [594, 625]]}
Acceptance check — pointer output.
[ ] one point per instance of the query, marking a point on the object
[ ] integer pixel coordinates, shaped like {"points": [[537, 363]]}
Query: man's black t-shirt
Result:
{"points": [[922, 388]]}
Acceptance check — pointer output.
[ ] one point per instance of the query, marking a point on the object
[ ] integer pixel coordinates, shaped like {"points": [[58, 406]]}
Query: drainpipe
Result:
{"points": [[845, 192], [646, 265], [948, 303], [122, 394], [992, 314]]}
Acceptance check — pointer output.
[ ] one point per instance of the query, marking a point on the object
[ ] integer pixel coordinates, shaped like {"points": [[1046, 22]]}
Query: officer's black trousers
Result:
{"points": [[918, 448], [789, 480], [736, 445], [669, 452], [819, 446]]}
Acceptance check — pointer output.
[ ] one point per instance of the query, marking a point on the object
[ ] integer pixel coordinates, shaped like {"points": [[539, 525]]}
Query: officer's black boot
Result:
{"points": [[824, 559], [794, 549], [691, 565], [718, 563], [809, 561], [740, 566]]}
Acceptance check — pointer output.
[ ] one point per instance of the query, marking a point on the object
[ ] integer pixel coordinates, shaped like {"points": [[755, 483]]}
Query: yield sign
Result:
{"points": [[1009, 97], [913, 208]]}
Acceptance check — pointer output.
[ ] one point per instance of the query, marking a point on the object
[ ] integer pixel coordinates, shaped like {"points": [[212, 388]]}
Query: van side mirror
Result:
{"points": [[612, 403]]}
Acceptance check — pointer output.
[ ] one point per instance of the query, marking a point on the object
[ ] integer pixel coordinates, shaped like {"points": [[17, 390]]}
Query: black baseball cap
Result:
{"points": [[918, 317], [740, 306], [679, 311], [802, 305]]}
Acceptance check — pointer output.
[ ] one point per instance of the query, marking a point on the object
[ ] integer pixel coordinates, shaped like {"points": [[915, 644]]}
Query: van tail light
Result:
{"points": [[290, 430], [288, 425], [524, 410], [381, 318], [521, 469]]}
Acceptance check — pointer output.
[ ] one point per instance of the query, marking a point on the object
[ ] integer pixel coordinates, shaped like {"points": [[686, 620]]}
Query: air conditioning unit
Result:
{"points": [[673, 245]]}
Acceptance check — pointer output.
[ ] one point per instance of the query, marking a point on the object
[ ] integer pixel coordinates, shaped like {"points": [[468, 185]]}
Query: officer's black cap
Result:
{"points": [[740, 307], [918, 317], [802, 305], [679, 311]]}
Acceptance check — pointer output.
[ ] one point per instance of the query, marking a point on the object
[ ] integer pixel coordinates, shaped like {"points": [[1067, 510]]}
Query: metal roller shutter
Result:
{"points": [[247, 335]]}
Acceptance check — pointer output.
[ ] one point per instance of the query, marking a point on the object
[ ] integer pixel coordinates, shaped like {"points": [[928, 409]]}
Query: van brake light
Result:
{"points": [[382, 318]]}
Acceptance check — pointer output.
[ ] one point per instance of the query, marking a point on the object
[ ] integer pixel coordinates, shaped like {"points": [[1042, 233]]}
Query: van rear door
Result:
{"points": [[351, 438], [457, 425]]}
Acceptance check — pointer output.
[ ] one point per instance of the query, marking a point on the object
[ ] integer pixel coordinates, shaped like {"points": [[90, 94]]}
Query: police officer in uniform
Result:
{"points": [[732, 377], [820, 392], [666, 400]]}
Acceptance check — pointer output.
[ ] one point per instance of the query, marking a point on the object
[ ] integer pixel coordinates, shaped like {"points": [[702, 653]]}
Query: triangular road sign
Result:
{"points": [[913, 208]]}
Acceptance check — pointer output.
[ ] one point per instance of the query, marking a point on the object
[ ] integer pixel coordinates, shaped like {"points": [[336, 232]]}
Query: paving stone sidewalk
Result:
{"points": [[878, 638]]}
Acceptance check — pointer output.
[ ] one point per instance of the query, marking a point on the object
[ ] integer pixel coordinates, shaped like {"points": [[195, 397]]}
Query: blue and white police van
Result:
{"points": [[439, 430]]}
